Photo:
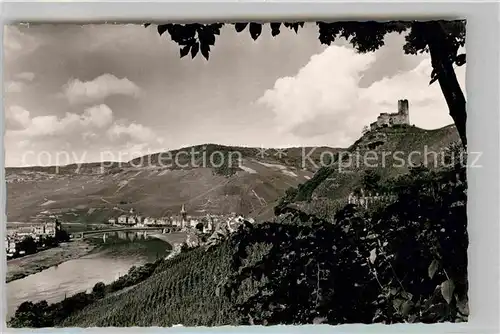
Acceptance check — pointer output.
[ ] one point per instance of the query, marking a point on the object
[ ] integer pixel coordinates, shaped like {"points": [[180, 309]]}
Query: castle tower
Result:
{"points": [[404, 110], [183, 217]]}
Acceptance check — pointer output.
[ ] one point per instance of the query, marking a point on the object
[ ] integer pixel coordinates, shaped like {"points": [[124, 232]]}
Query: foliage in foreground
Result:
{"points": [[404, 263]]}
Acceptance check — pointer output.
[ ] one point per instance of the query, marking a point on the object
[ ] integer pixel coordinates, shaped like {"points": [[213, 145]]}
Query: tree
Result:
{"points": [[441, 39], [99, 290], [371, 180], [28, 245], [62, 235]]}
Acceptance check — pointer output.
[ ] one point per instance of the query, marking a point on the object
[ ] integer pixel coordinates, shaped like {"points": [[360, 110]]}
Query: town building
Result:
{"points": [[132, 220], [39, 229], [149, 221], [11, 248], [193, 223], [51, 228], [122, 220], [390, 119], [162, 221]]}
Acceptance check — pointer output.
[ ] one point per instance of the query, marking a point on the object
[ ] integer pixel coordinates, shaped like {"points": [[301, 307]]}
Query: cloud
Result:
{"points": [[14, 87], [328, 85], [132, 133], [17, 118], [16, 43], [83, 136], [99, 115], [27, 76], [18, 85], [325, 100], [77, 91], [41, 126]]}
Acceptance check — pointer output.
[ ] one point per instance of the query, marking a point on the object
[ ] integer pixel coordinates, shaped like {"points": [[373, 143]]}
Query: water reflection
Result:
{"points": [[127, 235]]}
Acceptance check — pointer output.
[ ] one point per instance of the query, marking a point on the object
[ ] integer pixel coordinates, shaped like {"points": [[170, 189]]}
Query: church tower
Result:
{"points": [[183, 217]]}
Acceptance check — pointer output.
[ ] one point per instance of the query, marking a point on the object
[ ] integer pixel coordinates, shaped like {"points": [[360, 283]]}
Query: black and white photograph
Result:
{"points": [[235, 173]]}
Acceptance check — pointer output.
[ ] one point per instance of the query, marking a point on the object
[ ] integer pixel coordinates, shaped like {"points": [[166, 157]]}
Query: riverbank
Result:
{"points": [[34, 263]]}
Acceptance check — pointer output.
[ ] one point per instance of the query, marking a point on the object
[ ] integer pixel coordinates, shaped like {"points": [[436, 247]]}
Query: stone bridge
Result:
{"points": [[163, 229]]}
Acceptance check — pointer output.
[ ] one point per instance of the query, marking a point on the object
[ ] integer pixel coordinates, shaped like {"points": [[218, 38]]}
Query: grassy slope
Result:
{"points": [[185, 290], [182, 292]]}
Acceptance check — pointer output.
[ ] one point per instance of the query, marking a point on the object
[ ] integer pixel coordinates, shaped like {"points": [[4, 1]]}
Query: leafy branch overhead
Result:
{"points": [[364, 36]]}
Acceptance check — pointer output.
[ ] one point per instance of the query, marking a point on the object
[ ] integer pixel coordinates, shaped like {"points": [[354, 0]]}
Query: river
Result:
{"points": [[109, 261]]}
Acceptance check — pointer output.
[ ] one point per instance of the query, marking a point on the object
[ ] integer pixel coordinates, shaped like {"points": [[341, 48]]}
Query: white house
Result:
{"points": [[132, 220], [50, 229], [39, 229], [122, 220]]}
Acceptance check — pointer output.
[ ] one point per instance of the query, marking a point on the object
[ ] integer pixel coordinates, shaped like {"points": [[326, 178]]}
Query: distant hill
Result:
{"points": [[252, 184], [156, 186]]}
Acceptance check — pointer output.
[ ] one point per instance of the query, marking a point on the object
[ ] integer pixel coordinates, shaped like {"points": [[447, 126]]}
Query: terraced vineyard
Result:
{"points": [[184, 290]]}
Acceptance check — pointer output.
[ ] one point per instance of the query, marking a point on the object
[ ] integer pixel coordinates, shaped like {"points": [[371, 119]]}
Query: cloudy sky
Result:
{"points": [[113, 91]]}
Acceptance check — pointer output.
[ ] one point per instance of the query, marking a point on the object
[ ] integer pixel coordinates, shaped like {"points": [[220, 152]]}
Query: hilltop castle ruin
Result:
{"points": [[388, 120]]}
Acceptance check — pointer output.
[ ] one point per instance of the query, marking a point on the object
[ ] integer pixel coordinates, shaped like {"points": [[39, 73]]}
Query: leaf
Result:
{"points": [[447, 289], [433, 267], [185, 50], [434, 76], [255, 30], [406, 307], [460, 60], [275, 28], [462, 305], [397, 303], [406, 295], [205, 50], [240, 26], [162, 28], [194, 50], [373, 255]]}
